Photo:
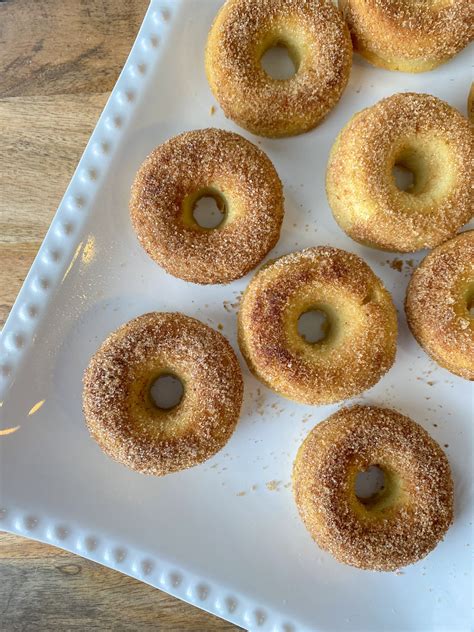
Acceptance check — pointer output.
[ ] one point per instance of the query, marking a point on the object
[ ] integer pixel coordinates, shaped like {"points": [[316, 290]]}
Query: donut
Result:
{"points": [[399, 524], [207, 163], [417, 132], [120, 413], [317, 40], [360, 335], [439, 298], [406, 35]]}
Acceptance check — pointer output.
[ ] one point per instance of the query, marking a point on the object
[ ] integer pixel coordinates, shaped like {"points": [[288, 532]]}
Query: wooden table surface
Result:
{"points": [[59, 59]]}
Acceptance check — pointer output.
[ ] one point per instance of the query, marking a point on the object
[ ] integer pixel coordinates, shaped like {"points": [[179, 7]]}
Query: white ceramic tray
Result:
{"points": [[224, 536]]}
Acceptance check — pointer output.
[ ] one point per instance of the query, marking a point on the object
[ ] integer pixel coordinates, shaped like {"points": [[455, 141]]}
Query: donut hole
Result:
{"points": [[404, 178], [280, 60], [370, 485], [313, 325], [209, 211], [470, 301], [166, 391], [205, 209], [422, 168]]}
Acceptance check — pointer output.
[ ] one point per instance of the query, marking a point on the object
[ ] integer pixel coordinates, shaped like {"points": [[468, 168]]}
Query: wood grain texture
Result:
{"points": [[58, 61], [41, 141], [65, 46]]}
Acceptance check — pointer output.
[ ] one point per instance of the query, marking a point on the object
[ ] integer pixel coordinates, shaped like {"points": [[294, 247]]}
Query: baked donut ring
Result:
{"points": [[439, 298], [316, 38], [406, 35], [422, 134], [360, 341], [398, 525], [207, 163], [120, 413]]}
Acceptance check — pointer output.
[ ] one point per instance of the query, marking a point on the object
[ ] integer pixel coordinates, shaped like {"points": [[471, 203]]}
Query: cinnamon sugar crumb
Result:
{"points": [[396, 264], [273, 486]]}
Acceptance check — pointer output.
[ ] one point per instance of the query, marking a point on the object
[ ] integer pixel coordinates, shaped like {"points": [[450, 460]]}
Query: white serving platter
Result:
{"points": [[224, 536]]}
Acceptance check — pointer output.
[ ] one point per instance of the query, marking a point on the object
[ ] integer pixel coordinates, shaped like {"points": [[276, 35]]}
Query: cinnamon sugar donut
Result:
{"points": [[120, 412], [438, 303], [401, 523], [207, 163], [317, 40], [406, 35], [360, 341], [422, 134]]}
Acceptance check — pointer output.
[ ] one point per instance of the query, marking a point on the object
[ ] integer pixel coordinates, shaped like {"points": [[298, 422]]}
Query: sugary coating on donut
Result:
{"points": [[197, 161], [361, 342], [406, 35], [416, 511], [116, 403], [439, 297], [319, 43], [423, 134]]}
